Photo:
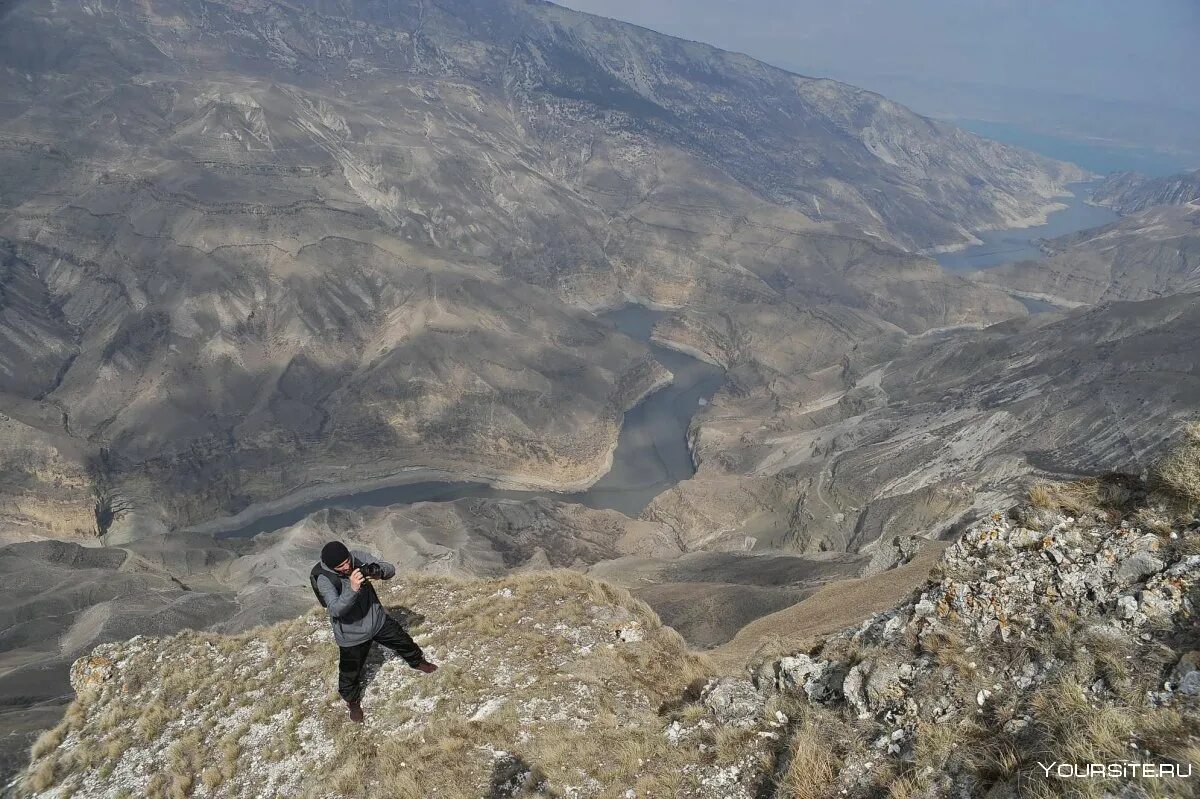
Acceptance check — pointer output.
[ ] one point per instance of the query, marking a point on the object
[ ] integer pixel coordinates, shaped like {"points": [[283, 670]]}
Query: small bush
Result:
{"points": [[43, 776]]}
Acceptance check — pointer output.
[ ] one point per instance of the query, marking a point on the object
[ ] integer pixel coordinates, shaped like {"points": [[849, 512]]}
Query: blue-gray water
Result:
{"points": [[1037, 306], [1021, 244], [652, 452]]}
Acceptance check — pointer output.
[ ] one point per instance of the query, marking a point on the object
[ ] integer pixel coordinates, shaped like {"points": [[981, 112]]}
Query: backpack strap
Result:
{"points": [[318, 570]]}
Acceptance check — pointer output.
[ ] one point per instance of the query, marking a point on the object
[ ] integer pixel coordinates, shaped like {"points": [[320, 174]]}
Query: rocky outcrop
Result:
{"points": [[1043, 636]]}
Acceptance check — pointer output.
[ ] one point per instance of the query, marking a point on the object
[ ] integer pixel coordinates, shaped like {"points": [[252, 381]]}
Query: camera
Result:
{"points": [[371, 570]]}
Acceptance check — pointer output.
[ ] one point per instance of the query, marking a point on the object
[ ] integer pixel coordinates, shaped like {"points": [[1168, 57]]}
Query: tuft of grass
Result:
{"points": [[1154, 519], [1042, 495], [1112, 495], [43, 775], [813, 765], [154, 718], [1076, 497], [48, 741], [1177, 473], [212, 778]]}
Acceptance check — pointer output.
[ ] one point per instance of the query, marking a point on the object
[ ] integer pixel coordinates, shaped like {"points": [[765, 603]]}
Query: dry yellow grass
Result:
{"points": [[580, 707], [48, 741], [1108, 494], [1174, 487], [1178, 472], [611, 752], [813, 764]]}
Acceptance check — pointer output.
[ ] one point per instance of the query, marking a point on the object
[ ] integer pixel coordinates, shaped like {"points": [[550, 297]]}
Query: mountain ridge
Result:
{"points": [[1130, 192]]}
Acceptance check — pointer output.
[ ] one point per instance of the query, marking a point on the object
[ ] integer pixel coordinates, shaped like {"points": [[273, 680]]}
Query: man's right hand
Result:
{"points": [[356, 580]]}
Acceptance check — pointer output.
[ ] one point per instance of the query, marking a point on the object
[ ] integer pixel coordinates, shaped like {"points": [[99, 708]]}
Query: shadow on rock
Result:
{"points": [[512, 776]]}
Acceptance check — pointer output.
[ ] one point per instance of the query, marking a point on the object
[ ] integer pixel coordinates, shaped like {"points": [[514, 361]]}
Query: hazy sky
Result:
{"points": [[1147, 50]]}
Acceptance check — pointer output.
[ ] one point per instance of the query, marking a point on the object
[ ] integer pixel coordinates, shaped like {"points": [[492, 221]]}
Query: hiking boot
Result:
{"points": [[426, 667], [356, 713]]}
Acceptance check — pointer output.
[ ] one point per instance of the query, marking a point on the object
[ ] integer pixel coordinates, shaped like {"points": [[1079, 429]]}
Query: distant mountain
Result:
{"points": [[248, 246], [1128, 192]]}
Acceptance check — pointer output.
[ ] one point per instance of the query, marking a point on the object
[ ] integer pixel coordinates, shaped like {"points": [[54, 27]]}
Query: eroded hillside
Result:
{"points": [[1129, 193], [253, 247]]}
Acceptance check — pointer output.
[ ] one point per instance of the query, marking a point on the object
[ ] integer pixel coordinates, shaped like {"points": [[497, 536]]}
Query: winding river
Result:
{"points": [[999, 247], [651, 456], [652, 451]]}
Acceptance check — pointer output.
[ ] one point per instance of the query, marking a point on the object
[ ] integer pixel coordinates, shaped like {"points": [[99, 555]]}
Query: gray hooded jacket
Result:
{"points": [[355, 617]]}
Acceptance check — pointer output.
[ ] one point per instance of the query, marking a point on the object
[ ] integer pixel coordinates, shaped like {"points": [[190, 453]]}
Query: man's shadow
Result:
{"points": [[409, 619]]}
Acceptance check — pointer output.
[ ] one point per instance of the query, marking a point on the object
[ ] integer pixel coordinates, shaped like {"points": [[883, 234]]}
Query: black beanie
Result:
{"points": [[334, 553]]}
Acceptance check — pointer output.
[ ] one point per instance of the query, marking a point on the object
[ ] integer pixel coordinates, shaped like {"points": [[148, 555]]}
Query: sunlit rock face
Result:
{"points": [[1130, 192]]}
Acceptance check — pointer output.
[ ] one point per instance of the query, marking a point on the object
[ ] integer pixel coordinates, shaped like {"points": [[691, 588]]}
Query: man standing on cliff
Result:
{"points": [[342, 583]]}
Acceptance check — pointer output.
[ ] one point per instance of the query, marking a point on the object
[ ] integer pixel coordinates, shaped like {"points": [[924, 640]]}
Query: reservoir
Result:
{"points": [[652, 451]]}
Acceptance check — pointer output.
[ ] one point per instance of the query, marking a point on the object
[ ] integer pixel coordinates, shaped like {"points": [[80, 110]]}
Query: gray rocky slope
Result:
{"points": [[252, 247], [1129, 192], [1045, 642], [1043, 638]]}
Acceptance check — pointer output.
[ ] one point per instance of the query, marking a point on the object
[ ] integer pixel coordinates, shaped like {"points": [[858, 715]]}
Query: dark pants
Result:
{"points": [[350, 666]]}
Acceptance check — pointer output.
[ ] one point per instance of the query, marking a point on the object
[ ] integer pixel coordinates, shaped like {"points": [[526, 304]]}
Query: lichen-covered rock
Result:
{"points": [[733, 702], [855, 690], [821, 681], [796, 670], [885, 684], [91, 672], [1027, 610], [1186, 674]]}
